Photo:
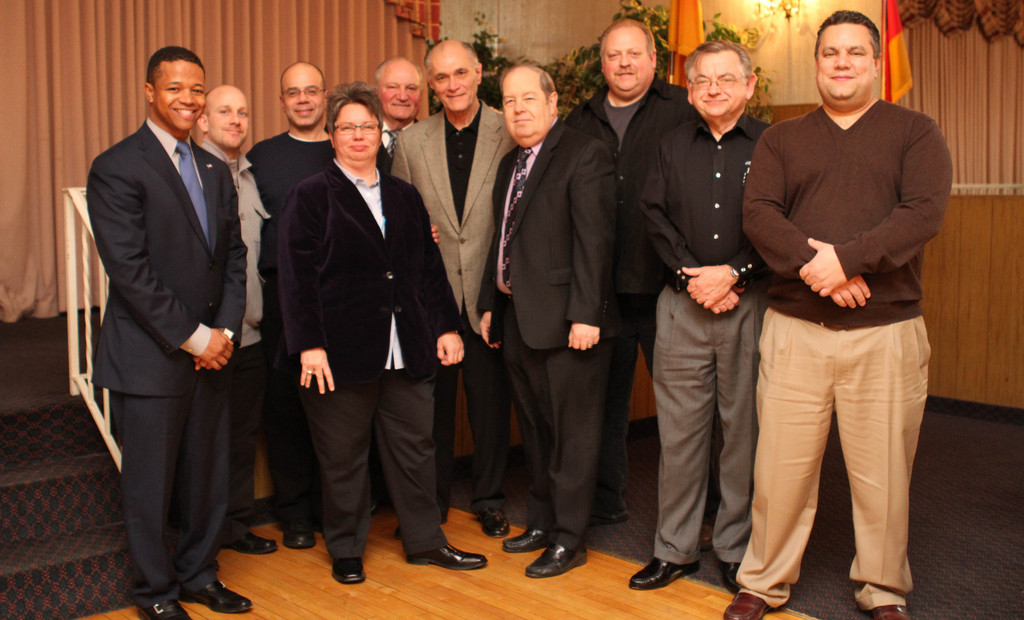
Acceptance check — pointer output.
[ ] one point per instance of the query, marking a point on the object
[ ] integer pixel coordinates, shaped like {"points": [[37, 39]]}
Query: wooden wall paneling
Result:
{"points": [[971, 353], [1004, 383], [940, 280]]}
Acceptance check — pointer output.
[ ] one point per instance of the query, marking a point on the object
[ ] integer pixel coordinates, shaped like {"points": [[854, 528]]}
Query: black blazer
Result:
{"points": [[341, 280], [562, 242], [165, 278]]}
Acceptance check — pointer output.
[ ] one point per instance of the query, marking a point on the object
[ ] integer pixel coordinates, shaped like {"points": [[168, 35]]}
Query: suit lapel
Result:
{"points": [[434, 151], [356, 208], [536, 173], [155, 155], [487, 142]]}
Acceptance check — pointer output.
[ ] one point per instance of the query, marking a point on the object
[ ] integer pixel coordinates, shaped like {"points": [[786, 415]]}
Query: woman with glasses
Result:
{"points": [[368, 315]]}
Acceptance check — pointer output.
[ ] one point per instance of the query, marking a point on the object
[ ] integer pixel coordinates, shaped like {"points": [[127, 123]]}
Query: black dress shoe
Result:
{"points": [[348, 570], [218, 599], [251, 544], [598, 520], [298, 534], [530, 540], [556, 560], [164, 610], [493, 522], [729, 571], [448, 557], [659, 573]]}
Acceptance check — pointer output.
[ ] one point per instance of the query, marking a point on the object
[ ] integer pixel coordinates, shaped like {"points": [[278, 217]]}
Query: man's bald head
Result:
{"points": [[303, 100], [225, 121]]}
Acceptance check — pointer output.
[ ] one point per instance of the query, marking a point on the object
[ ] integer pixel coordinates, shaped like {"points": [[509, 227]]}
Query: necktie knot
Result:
{"points": [[183, 150]]}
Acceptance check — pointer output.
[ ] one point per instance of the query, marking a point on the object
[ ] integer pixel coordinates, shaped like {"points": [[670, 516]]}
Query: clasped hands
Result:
{"points": [[824, 274], [217, 353], [713, 287]]}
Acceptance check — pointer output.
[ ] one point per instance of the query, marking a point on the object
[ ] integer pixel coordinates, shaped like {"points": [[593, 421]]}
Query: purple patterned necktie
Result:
{"points": [[518, 184]]}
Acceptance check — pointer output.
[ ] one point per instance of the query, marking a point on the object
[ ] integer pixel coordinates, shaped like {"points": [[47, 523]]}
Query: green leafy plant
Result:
{"points": [[759, 105], [577, 74]]}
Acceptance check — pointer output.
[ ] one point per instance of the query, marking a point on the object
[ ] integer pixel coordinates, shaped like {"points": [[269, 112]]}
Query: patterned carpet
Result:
{"points": [[967, 497], [966, 534]]}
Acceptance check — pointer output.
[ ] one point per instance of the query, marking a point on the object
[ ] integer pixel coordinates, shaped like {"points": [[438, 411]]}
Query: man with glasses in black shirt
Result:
{"points": [[709, 317]]}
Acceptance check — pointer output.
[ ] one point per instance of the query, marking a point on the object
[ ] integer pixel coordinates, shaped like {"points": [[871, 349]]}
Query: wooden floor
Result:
{"points": [[297, 584]]}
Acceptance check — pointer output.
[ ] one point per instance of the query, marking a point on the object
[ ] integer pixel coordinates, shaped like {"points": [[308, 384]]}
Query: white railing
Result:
{"points": [[78, 248]]}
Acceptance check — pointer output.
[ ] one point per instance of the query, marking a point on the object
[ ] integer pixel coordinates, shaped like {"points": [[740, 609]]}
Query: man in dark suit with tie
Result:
{"points": [[166, 224], [547, 297]]}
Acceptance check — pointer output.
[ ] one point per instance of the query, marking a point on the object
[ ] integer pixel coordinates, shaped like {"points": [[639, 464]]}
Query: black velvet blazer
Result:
{"points": [[341, 280]]}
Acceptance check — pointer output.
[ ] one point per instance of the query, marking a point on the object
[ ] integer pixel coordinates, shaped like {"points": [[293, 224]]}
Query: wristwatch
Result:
{"points": [[227, 332]]}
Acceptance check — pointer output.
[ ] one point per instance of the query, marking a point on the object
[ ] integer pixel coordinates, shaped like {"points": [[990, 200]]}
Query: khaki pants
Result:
{"points": [[876, 379]]}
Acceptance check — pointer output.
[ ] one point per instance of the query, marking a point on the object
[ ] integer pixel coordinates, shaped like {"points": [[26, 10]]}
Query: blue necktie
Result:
{"points": [[195, 190]]}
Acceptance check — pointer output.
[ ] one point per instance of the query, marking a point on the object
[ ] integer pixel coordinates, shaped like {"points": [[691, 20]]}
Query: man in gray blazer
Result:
{"points": [[452, 158]]}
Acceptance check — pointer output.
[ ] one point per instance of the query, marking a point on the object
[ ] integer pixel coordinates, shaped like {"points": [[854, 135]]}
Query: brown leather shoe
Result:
{"points": [[745, 606], [890, 612]]}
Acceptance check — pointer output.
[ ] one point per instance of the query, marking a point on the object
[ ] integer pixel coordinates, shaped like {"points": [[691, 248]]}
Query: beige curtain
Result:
{"points": [[974, 88], [995, 18], [75, 71]]}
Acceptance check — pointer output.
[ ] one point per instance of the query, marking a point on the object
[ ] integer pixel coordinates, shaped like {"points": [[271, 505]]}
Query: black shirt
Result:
{"points": [[693, 199], [637, 268], [278, 164], [460, 145]]}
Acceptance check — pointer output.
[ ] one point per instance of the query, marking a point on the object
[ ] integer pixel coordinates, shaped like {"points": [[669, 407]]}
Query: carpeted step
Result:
{"points": [[42, 433], [42, 500], [66, 576]]}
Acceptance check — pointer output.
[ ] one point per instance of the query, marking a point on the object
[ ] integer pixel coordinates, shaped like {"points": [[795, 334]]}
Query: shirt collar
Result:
{"points": [[743, 125], [169, 142], [658, 87], [473, 127], [242, 163], [357, 180]]}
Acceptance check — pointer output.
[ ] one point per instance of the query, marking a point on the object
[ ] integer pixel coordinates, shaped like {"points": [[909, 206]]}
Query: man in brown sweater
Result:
{"points": [[840, 203]]}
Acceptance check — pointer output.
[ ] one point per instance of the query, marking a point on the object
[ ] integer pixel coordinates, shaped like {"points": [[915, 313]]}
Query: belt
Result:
{"points": [[836, 327]]}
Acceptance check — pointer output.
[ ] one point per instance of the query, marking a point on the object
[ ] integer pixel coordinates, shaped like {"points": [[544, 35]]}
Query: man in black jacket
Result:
{"points": [[630, 116]]}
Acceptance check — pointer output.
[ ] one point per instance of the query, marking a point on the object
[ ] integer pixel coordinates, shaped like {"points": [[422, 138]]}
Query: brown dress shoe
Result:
{"points": [[890, 612], [745, 606]]}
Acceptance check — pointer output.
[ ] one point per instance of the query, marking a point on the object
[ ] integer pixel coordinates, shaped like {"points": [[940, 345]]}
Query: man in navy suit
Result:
{"points": [[166, 224]]}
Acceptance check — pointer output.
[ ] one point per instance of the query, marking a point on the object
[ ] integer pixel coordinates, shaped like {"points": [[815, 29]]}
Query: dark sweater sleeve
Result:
{"points": [[781, 244], [927, 176]]}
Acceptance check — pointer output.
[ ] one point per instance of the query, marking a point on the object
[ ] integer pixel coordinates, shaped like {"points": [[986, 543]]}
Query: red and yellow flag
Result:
{"points": [[685, 33], [897, 62]]}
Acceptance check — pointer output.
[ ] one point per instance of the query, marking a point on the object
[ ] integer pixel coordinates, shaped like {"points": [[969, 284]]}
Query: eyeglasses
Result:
{"points": [[723, 82], [309, 91], [348, 129]]}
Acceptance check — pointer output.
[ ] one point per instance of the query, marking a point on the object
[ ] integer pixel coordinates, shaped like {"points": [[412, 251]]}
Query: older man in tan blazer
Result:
{"points": [[452, 158]]}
